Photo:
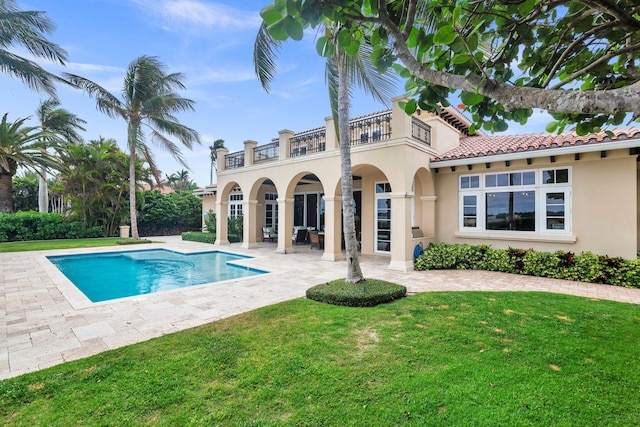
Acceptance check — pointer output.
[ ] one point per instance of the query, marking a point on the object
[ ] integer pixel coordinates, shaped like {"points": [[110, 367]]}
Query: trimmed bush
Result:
{"points": [[24, 226], [367, 293], [199, 236], [585, 267], [132, 241]]}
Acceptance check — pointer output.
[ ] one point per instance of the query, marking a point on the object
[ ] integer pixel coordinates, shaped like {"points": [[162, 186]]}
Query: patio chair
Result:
{"points": [[299, 235], [314, 238], [268, 233]]}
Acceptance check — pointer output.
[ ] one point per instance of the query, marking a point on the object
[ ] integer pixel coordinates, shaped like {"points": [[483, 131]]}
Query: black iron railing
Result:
{"points": [[267, 152], [372, 128], [420, 131], [311, 141], [234, 160]]}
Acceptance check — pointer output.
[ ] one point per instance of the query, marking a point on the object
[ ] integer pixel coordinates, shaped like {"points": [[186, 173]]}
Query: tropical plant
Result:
{"points": [[576, 59], [95, 180], [25, 192], [348, 64], [29, 30], [218, 143], [148, 100], [180, 181], [62, 127], [20, 146]]}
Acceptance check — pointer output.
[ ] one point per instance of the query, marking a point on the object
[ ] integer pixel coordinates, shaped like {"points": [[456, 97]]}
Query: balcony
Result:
{"points": [[363, 131]]}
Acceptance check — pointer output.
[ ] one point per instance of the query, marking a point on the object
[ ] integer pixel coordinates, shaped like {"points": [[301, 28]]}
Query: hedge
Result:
{"points": [[584, 267], [199, 236], [23, 226]]}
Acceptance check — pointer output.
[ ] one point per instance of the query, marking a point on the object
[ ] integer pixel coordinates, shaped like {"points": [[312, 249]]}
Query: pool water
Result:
{"points": [[112, 275]]}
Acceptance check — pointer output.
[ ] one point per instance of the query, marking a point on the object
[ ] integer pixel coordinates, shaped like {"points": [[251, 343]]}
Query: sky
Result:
{"points": [[211, 43]]}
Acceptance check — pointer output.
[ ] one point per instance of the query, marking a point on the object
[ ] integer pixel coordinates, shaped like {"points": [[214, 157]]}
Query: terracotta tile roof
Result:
{"points": [[483, 146]]}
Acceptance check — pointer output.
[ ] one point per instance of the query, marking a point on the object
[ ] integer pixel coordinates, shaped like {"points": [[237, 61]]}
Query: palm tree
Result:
{"points": [[342, 72], [148, 100], [61, 125], [218, 143], [20, 146], [28, 29]]}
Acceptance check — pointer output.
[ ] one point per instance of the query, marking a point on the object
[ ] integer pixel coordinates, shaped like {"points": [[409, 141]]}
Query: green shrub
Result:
{"points": [[23, 226], [586, 267], [210, 222], [367, 293], [199, 236], [168, 214]]}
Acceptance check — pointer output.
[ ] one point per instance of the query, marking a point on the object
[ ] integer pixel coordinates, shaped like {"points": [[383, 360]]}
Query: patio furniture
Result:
{"points": [[314, 239], [299, 235], [268, 233]]}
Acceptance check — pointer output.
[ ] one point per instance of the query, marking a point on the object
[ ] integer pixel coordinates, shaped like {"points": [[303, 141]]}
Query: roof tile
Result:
{"points": [[483, 146]]}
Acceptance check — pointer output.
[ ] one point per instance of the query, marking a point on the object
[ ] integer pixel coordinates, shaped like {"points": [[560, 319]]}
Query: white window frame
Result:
{"points": [[541, 190], [235, 205], [384, 195]]}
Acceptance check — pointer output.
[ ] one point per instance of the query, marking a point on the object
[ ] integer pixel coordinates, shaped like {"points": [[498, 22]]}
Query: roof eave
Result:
{"points": [[543, 152]]}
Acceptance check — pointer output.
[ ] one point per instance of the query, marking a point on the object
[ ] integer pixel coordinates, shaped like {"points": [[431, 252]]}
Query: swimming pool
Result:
{"points": [[112, 275]]}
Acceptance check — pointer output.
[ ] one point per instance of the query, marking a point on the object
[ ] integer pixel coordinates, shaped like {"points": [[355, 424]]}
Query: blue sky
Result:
{"points": [[211, 42]]}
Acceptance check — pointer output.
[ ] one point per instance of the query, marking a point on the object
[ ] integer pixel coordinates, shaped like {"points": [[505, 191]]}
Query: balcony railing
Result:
{"points": [[234, 160], [370, 129], [311, 141], [267, 152], [420, 131]]}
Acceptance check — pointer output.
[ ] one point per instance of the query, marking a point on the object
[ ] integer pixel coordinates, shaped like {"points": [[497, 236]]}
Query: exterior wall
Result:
{"points": [[208, 205], [604, 204]]}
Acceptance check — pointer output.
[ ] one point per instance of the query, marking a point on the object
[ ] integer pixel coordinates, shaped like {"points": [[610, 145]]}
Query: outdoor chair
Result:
{"points": [[314, 239], [299, 235], [268, 233]]}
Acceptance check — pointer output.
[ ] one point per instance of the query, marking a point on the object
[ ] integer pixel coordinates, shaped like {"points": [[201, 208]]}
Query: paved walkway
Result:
{"points": [[45, 320]]}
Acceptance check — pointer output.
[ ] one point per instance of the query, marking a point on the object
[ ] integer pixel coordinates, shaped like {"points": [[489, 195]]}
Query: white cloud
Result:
{"points": [[194, 15]]}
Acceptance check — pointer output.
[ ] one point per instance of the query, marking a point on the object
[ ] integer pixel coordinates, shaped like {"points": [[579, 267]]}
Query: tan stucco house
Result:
{"points": [[422, 178]]}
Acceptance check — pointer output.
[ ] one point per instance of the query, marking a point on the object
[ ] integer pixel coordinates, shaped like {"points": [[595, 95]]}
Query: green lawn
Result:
{"points": [[454, 359], [40, 245]]}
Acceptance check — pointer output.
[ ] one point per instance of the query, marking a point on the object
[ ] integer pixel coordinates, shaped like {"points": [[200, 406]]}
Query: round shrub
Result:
{"points": [[367, 293]]}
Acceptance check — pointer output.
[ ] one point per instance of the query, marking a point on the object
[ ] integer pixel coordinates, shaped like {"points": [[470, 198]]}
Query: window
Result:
{"points": [[235, 205], [271, 210], [383, 217], [536, 201]]}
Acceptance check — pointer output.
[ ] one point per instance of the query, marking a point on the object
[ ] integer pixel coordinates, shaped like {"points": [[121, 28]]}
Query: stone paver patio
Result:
{"points": [[45, 320]]}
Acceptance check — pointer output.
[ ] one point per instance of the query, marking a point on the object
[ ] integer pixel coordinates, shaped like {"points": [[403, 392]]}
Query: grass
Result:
{"points": [[455, 359], [41, 245]]}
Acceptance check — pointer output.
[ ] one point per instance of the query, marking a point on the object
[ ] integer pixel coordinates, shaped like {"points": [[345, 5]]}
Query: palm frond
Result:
{"points": [[265, 54], [35, 77], [107, 103]]}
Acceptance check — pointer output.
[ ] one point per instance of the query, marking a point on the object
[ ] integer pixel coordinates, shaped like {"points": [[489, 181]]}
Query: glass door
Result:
{"points": [[383, 217]]}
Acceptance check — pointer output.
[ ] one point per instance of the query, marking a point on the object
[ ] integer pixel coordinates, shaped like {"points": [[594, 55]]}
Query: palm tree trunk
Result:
{"points": [[6, 187], [43, 192], [354, 273], [132, 181]]}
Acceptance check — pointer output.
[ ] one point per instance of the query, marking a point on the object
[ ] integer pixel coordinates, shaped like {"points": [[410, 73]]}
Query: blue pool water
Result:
{"points": [[114, 275]]}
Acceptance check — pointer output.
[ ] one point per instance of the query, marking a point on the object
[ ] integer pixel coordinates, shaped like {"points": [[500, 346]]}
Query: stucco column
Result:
{"points": [[249, 145], [221, 161], [331, 138], [222, 230], [285, 143], [401, 250], [333, 228], [285, 225], [400, 121], [249, 225]]}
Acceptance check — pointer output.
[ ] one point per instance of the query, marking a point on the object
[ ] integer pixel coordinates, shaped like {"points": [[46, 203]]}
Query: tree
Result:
{"points": [[343, 70], [95, 182], [20, 146], [28, 29], [180, 181], [218, 143], [25, 192], [148, 100], [576, 59], [61, 126]]}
